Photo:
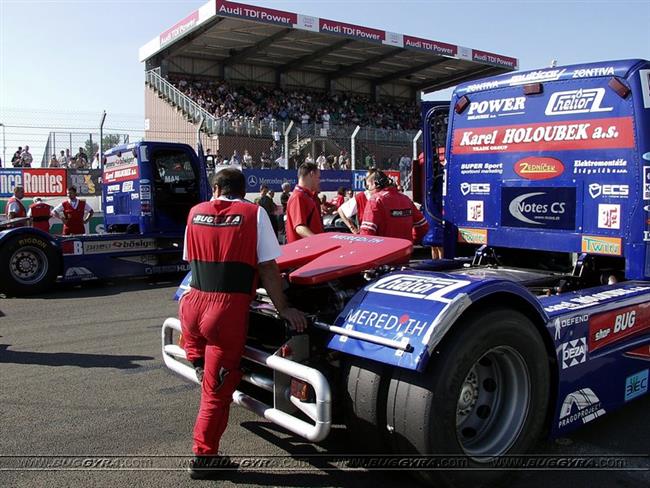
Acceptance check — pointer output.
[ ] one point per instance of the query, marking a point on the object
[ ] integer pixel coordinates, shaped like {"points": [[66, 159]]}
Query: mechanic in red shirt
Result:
{"points": [[74, 213], [39, 212], [303, 208], [357, 205], [228, 242], [15, 208], [390, 213]]}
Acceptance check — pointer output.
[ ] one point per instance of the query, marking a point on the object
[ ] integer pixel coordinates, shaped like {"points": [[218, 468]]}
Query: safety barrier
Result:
{"points": [[319, 411]]}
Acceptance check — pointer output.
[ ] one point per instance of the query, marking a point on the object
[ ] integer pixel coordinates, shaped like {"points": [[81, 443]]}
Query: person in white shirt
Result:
{"points": [[321, 161], [74, 213], [26, 158]]}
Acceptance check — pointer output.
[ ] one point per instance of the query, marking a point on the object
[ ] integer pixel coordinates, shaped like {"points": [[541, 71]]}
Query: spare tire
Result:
{"points": [[29, 264]]}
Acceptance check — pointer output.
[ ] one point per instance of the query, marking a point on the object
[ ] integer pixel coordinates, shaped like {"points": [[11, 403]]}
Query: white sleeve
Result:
{"points": [[29, 212], [58, 209], [349, 208], [13, 207], [185, 245], [88, 208], [267, 242]]}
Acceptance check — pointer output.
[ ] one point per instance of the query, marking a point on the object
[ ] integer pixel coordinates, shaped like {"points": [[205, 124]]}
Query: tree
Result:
{"points": [[109, 141]]}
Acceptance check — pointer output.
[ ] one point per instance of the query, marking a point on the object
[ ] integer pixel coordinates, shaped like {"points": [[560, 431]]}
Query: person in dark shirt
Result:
{"points": [[267, 204]]}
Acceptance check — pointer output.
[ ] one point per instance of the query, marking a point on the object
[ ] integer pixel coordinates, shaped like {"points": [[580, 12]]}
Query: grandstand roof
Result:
{"points": [[227, 33]]}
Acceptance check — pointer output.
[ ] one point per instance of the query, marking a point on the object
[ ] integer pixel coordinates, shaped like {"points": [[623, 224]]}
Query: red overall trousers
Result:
{"points": [[221, 246]]}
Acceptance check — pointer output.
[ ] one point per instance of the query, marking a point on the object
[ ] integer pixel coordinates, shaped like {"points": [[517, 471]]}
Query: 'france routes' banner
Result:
{"points": [[10, 178], [330, 180]]}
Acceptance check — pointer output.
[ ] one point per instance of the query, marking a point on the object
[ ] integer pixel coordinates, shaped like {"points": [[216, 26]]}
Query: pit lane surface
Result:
{"points": [[81, 375]]}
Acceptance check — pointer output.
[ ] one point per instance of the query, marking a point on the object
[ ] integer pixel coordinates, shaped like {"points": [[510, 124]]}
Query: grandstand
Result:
{"points": [[284, 86]]}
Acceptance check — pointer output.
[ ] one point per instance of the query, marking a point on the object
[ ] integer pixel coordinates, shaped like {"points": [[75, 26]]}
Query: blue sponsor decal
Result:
{"points": [[330, 180], [10, 178], [538, 207], [636, 385], [359, 180]]}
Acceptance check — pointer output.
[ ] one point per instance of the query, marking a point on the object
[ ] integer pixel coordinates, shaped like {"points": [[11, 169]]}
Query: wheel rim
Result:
{"points": [[28, 265], [493, 403]]}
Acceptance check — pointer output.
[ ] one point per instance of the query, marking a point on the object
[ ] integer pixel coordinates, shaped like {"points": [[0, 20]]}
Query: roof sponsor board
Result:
{"points": [[350, 30], [252, 12], [496, 59], [430, 46], [179, 29]]}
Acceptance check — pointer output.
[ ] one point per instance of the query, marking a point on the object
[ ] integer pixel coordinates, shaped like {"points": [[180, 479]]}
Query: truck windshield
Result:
{"points": [[176, 185], [174, 167]]}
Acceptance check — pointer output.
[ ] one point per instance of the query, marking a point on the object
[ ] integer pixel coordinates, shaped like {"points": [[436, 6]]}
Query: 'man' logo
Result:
{"points": [[217, 220]]}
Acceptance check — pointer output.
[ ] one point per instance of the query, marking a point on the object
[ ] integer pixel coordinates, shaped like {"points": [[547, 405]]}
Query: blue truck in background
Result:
{"points": [[536, 322], [147, 191]]}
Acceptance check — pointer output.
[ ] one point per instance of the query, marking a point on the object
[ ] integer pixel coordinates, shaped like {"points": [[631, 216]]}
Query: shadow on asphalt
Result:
{"points": [[70, 359], [90, 289]]}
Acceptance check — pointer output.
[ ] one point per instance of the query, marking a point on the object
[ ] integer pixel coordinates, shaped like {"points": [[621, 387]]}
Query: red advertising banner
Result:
{"points": [[607, 133], [122, 172], [395, 176], [611, 327], [496, 59], [261, 14], [351, 30], [179, 29], [431, 46], [44, 182]]}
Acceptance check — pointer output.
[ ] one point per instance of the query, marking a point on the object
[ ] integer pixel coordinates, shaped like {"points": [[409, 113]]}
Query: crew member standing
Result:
{"points": [[303, 207], [390, 213], [228, 241], [74, 213], [356, 206], [40, 213], [15, 208]]}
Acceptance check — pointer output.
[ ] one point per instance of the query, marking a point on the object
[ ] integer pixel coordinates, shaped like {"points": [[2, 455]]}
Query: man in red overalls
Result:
{"points": [[303, 207], [357, 205], [15, 208], [40, 213], [228, 241], [390, 213], [74, 213]]}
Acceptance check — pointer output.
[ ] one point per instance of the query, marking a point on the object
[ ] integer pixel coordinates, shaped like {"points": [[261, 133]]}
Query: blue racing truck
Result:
{"points": [[537, 321], [147, 191]]}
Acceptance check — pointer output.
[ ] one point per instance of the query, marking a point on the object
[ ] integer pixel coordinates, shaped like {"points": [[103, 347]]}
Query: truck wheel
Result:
{"points": [[366, 386], [484, 394], [30, 264]]}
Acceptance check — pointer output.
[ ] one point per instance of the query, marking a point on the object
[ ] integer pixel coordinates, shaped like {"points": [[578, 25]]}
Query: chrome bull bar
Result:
{"points": [[281, 413]]}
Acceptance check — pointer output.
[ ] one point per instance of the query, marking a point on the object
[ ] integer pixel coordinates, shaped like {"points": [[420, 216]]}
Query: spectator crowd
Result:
{"points": [[260, 103], [23, 158]]}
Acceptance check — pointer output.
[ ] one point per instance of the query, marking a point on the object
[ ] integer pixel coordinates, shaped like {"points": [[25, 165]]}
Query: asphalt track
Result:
{"points": [[81, 375]]}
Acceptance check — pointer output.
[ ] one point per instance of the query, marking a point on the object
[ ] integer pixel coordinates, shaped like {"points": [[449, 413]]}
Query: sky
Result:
{"points": [[63, 62]]}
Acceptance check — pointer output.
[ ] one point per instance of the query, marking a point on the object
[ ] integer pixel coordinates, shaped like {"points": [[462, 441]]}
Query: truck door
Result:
{"points": [[176, 186]]}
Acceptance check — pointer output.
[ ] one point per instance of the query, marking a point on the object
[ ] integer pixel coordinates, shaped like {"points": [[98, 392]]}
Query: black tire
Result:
{"points": [[498, 362], [366, 386], [29, 264]]}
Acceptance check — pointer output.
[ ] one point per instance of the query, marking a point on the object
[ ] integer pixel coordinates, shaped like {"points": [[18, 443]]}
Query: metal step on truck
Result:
{"points": [[536, 322], [147, 191]]}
